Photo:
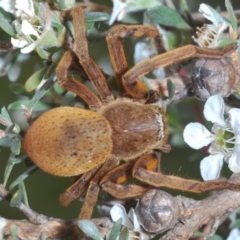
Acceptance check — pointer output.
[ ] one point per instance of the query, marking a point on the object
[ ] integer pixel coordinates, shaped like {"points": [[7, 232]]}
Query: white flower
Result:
{"points": [[210, 35], [234, 234], [29, 27], [224, 139], [129, 221], [122, 7]]}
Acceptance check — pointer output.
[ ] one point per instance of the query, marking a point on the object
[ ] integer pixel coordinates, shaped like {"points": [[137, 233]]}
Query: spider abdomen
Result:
{"points": [[68, 141], [136, 128]]}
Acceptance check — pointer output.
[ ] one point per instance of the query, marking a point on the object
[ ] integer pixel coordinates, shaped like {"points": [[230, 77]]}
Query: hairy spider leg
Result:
{"points": [[92, 70], [77, 188], [118, 58], [93, 190], [142, 172], [73, 85], [130, 78]]}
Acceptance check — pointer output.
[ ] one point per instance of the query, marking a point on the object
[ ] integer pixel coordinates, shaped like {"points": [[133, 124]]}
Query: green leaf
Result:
{"points": [[5, 24], [42, 53], [18, 88], [23, 176], [22, 188], [49, 39], [66, 4], [16, 199], [170, 88], [17, 106], [5, 114], [49, 70], [124, 234], [216, 237], [167, 17], [231, 15], [235, 224], [14, 231], [35, 79], [90, 229], [12, 160], [16, 145], [115, 229], [96, 17], [57, 56], [225, 42], [5, 142]]}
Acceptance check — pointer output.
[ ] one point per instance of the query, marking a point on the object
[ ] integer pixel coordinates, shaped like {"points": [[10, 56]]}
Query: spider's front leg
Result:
{"points": [[130, 78], [94, 73], [71, 84], [142, 172], [144, 169], [118, 59]]}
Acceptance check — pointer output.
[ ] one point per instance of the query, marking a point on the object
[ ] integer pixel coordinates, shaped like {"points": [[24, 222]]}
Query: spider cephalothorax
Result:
{"points": [[71, 141]]}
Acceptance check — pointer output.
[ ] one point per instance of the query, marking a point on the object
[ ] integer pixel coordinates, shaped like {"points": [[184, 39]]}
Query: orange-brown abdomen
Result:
{"points": [[68, 141]]}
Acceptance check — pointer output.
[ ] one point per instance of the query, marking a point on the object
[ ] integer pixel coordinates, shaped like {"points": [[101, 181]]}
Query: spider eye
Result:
{"points": [[213, 76]]}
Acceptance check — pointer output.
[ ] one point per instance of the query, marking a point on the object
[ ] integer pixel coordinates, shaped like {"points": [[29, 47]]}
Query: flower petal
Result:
{"points": [[234, 162], [197, 136], [118, 6], [234, 115], [27, 29], [18, 43], [132, 215], [25, 6], [211, 14], [117, 212], [214, 109], [211, 166], [234, 234], [28, 48]]}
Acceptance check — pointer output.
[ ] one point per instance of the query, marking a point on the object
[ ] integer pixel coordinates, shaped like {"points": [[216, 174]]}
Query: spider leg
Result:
{"points": [[93, 189], [77, 188], [94, 73], [130, 78], [111, 183], [73, 85], [142, 170], [118, 58]]}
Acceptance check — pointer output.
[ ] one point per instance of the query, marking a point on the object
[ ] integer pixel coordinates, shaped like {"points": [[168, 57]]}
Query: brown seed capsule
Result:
{"points": [[157, 211], [213, 76]]}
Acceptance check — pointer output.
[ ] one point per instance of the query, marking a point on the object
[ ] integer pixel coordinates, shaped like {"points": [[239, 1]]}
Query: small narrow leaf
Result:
{"points": [[232, 17], [5, 142], [5, 114], [5, 23], [167, 17], [96, 17], [124, 234], [17, 106], [18, 88], [34, 80], [16, 199], [23, 176], [16, 145], [22, 188], [170, 88], [225, 42], [115, 229], [12, 160], [90, 229]]}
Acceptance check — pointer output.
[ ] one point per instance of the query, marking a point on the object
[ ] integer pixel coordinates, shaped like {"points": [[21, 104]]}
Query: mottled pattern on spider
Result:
{"points": [[70, 141]]}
